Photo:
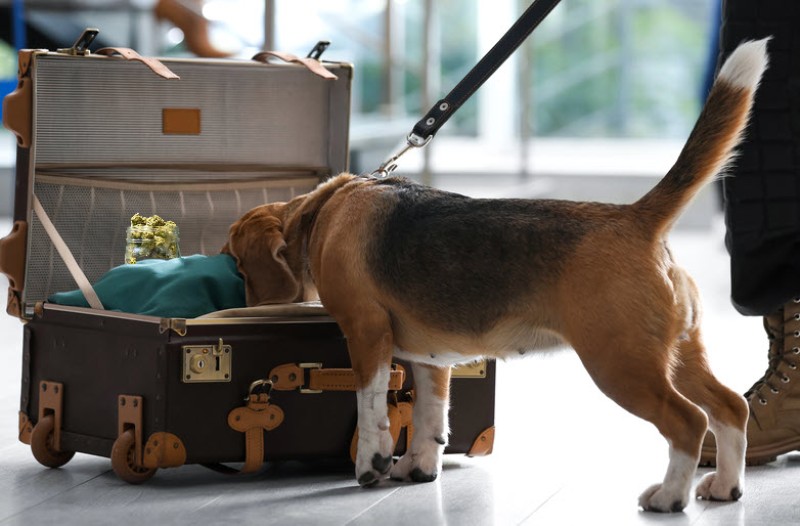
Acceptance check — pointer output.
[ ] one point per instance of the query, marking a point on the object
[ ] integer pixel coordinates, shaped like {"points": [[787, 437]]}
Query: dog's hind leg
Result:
{"points": [[370, 343], [423, 460], [633, 370], [727, 412]]}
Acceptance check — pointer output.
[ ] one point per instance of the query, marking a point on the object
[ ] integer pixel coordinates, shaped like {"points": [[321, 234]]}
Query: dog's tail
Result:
{"points": [[710, 145]]}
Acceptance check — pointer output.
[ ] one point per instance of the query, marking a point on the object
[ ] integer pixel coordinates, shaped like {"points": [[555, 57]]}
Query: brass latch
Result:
{"points": [[207, 363], [470, 370], [81, 46]]}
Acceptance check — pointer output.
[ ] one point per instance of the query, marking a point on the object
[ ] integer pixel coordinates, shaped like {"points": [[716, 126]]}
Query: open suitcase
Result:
{"points": [[104, 136]]}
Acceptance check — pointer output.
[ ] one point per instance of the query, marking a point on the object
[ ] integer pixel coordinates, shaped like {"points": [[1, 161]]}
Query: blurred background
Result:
{"points": [[594, 106]]}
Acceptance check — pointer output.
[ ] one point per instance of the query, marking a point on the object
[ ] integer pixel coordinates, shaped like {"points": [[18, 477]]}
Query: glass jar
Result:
{"points": [[152, 242]]}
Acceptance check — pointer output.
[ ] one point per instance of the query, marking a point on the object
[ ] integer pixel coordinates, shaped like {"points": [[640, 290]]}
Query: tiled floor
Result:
{"points": [[564, 454]]}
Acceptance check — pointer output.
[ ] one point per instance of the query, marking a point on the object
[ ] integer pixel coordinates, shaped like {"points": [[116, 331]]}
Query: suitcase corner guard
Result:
{"points": [[164, 450], [483, 445]]}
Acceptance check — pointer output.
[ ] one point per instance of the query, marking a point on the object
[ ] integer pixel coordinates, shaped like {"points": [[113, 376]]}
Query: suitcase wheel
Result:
{"points": [[42, 444], [123, 460]]}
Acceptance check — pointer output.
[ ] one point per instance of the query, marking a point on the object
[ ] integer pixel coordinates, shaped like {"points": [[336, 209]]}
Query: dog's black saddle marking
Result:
{"points": [[463, 262]]}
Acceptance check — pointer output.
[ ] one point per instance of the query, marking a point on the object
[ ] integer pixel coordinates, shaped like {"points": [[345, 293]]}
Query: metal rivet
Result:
{"points": [[292, 377], [444, 106], [135, 403], [155, 443], [44, 387], [121, 401], [430, 121], [55, 389], [175, 445]]}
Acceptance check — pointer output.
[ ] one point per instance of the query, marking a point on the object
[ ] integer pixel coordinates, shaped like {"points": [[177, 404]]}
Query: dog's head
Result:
{"points": [[260, 242], [269, 244]]}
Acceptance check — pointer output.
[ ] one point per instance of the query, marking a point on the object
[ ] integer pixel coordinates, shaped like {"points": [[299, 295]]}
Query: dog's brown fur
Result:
{"points": [[441, 278]]}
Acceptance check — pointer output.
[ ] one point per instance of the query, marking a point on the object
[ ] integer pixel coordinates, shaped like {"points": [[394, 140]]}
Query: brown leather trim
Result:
{"points": [[14, 304], [25, 428], [180, 121], [129, 414], [164, 450], [313, 65], [287, 377], [18, 112], [12, 255], [483, 445], [252, 420], [290, 376], [345, 380], [128, 54], [26, 60], [51, 402]]}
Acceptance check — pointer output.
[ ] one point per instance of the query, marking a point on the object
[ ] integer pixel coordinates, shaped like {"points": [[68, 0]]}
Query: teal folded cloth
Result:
{"points": [[184, 287]]}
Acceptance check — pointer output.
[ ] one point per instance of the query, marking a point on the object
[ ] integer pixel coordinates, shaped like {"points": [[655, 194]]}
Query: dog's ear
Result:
{"points": [[257, 243]]}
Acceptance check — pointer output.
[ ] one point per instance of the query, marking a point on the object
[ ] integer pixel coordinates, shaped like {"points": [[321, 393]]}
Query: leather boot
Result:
{"points": [[774, 425], [186, 17]]}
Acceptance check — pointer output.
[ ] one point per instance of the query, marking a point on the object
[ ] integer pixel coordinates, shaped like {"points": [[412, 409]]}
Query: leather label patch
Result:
{"points": [[180, 121]]}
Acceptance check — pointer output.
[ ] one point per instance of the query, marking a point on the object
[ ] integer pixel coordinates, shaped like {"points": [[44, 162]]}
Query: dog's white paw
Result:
{"points": [[712, 487], [374, 458], [660, 499], [418, 467]]}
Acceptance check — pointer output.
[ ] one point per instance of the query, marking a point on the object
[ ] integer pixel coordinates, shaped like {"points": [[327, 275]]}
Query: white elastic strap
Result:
{"points": [[66, 255]]}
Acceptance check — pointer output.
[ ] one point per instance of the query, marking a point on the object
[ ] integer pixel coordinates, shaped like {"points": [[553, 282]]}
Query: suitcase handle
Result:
{"points": [[155, 65], [292, 377], [312, 64]]}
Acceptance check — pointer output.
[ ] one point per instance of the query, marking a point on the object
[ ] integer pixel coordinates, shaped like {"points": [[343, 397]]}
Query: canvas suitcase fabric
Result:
{"points": [[101, 137]]}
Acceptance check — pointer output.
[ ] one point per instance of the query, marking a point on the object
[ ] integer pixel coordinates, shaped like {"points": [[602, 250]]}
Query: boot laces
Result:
{"points": [[779, 353]]}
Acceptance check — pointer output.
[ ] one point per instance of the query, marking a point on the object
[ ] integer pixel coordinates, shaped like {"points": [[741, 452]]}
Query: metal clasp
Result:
{"points": [[264, 383], [412, 141], [81, 46], [317, 51], [311, 365], [207, 363]]}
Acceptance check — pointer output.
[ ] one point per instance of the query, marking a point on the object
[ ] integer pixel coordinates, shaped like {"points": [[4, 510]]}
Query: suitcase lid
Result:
{"points": [[101, 138]]}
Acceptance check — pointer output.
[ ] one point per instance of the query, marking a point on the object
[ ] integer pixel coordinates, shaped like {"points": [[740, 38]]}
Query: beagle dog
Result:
{"points": [[438, 279]]}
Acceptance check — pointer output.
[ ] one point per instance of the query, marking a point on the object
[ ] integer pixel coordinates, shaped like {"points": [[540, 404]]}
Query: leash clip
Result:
{"points": [[390, 165]]}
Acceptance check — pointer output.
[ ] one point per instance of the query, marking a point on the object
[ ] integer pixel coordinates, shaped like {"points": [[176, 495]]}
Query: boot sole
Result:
{"points": [[753, 456]]}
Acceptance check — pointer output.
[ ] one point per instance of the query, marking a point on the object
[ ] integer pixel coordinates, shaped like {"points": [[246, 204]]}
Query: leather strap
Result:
{"points": [[128, 54], [252, 420], [313, 65], [516, 35], [66, 255], [291, 376]]}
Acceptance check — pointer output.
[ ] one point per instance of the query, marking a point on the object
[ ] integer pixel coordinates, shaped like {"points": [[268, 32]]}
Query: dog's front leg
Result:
{"points": [[370, 346], [423, 460]]}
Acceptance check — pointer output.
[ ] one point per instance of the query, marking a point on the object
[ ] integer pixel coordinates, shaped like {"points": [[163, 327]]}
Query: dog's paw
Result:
{"points": [[657, 498], [712, 487], [377, 470], [417, 467], [374, 458]]}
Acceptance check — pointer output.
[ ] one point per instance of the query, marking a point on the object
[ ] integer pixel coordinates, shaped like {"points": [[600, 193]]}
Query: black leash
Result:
{"points": [[441, 112]]}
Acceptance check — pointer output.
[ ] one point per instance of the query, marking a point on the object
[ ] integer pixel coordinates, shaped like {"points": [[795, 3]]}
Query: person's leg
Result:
{"points": [[762, 215]]}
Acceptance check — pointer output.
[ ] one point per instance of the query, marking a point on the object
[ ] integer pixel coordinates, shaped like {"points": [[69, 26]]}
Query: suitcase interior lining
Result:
{"points": [[92, 216]]}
